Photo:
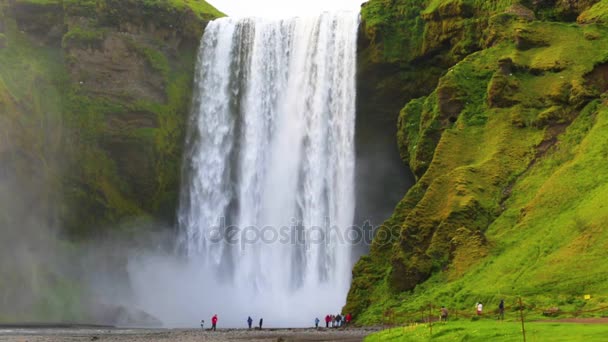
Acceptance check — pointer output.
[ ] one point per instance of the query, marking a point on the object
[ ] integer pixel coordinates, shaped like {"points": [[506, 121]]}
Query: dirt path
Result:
{"points": [[283, 335], [594, 320]]}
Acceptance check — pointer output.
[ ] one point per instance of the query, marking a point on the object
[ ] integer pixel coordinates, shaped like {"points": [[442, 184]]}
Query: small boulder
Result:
{"points": [[521, 12], [526, 40]]}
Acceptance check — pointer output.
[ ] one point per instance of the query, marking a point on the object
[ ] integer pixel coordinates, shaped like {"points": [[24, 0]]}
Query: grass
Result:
{"points": [[510, 197], [202, 8], [596, 14], [485, 330]]}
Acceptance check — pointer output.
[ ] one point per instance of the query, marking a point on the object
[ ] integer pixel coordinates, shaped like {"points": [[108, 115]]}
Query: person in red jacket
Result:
{"points": [[327, 320], [214, 322], [349, 318]]}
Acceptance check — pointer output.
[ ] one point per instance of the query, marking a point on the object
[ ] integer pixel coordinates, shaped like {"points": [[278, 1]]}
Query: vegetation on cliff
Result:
{"points": [[121, 72], [507, 151], [94, 95]]}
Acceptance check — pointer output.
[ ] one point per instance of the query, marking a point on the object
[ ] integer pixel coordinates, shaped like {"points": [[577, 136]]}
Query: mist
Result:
{"points": [[181, 293]]}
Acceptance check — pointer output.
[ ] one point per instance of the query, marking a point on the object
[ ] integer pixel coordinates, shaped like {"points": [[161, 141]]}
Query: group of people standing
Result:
{"points": [[336, 321], [250, 322], [479, 310], [501, 309], [214, 320], [213, 323]]}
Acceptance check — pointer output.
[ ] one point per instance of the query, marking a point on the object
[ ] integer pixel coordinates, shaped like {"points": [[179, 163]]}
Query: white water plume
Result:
{"points": [[270, 154]]}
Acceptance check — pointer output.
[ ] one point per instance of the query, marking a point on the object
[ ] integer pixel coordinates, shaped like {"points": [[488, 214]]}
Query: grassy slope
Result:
{"points": [[493, 331], [505, 204]]}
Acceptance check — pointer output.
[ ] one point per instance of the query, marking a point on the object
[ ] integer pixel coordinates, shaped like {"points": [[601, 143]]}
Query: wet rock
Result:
{"points": [[42, 21], [121, 316], [598, 78], [450, 103], [521, 12]]}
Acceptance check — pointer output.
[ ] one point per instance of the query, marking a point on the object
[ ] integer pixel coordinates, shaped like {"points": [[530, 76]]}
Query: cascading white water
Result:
{"points": [[268, 194]]}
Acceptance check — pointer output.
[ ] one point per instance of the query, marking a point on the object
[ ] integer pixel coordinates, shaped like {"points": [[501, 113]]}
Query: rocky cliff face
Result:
{"points": [[116, 76], [513, 100], [94, 95]]}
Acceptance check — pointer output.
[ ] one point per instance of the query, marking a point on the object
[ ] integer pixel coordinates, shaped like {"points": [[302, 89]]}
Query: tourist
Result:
{"points": [[202, 324], [214, 322], [338, 320], [444, 314], [479, 308], [327, 320], [501, 310], [249, 322], [261, 322], [349, 318], [317, 323]]}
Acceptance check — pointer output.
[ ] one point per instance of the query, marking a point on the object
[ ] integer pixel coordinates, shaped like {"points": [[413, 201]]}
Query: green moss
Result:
{"points": [[156, 60], [596, 14], [83, 38], [202, 8], [474, 144], [395, 31], [185, 16], [80, 8]]}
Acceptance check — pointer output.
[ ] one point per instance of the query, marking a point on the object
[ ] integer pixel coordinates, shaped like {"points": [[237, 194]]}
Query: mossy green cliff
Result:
{"points": [[114, 80], [507, 143], [94, 95]]}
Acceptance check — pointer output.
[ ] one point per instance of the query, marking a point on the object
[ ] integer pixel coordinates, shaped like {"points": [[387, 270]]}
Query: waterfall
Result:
{"points": [[268, 191]]}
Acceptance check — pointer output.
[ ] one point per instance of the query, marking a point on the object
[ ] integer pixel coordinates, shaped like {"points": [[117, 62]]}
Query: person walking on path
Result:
{"points": [[249, 322], [479, 309], [327, 320], [349, 318], [203, 324], [214, 322], [317, 323], [501, 310], [338, 320], [261, 322], [444, 314]]}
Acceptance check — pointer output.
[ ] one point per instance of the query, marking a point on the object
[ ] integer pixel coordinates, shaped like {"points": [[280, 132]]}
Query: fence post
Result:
{"points": [[521, 313], [431, 318]]}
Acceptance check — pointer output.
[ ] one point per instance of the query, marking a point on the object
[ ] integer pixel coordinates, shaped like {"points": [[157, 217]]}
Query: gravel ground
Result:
{"points": [[283, 335]]}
